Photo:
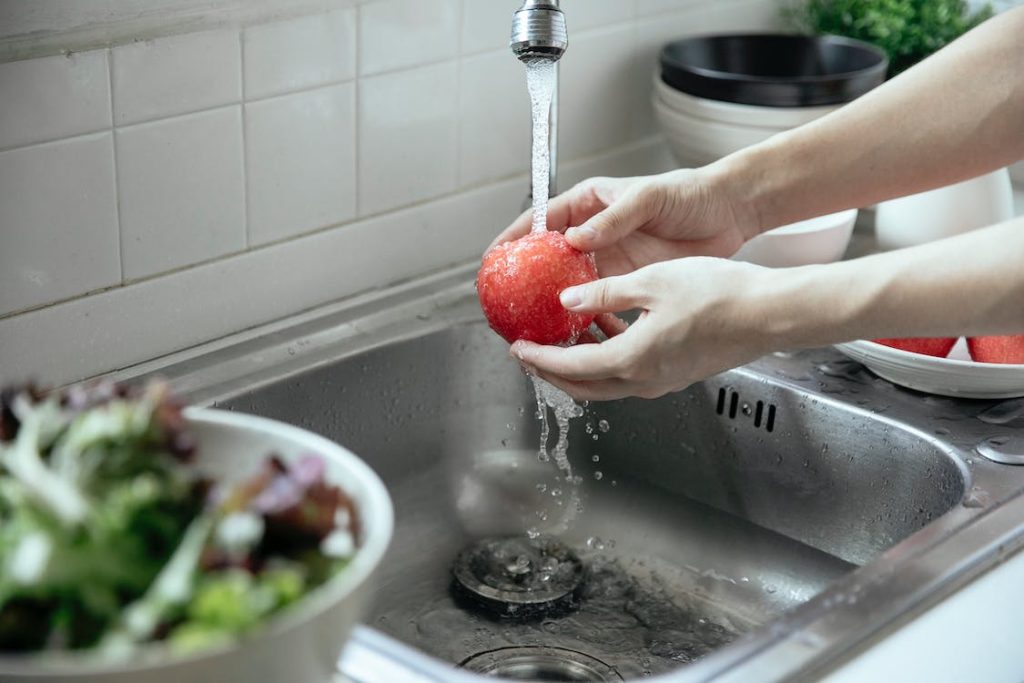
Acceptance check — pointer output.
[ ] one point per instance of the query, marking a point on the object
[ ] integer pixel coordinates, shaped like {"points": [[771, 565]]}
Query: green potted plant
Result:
{"points": [[908, 30]]}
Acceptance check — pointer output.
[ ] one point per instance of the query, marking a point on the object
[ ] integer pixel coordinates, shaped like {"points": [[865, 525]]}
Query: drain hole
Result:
{"points": [[541, 664], [518, 577], [721, 401], [771, 417], [733, 404], [757, 414]]}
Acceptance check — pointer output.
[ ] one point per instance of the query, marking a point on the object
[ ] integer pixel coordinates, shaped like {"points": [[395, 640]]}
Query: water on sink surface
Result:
{"points": [[632, 614], [640, 611]]}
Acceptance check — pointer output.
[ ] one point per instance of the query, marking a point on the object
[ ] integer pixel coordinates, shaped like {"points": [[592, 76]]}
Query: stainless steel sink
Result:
{"points": [[762, 525]]}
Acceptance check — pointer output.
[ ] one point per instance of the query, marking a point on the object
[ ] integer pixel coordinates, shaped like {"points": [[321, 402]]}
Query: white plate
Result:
{"points": [[943, 376]]}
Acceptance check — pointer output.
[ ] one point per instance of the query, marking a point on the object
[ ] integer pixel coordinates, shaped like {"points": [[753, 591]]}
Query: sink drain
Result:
{"points": [[518, 577], [540, 664]]}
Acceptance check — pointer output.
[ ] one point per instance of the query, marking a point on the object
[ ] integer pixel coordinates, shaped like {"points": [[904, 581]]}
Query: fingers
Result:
{"points": [[519, 228], [573, 207], [608, 295], [607, 227], [611, 325], [580, 362]]}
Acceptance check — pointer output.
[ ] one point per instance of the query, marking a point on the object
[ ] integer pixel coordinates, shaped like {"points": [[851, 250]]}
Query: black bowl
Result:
{"points": [[773, 70]]}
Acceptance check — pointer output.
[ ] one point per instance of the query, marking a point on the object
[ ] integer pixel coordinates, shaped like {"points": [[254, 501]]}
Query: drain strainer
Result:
{"points": [[541, 664], [518, 577]]}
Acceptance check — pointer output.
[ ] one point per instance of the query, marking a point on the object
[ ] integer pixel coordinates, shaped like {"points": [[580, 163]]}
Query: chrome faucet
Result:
{"points": [[539, 33]]}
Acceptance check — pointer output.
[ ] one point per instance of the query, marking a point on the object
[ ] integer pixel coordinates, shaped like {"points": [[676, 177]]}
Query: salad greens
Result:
{"points": [[111, 537]]}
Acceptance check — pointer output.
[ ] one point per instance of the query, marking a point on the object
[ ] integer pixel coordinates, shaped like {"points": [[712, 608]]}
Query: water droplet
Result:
{"points": [[603, 426], [542, 487], [595, 543], [598, 475], [595, 458]]}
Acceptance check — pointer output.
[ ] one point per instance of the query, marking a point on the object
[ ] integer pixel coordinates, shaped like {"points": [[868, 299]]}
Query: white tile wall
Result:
{"points": [[407, 137], [301, 53], [182, 191], [158, 78], [493, 99], [216, 150], [598, 92], [486, 24], [301, 162], [55, 97], [403, 33], [55, 244]]}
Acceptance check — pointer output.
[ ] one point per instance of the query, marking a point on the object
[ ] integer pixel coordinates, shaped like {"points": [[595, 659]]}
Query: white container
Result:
{"points": [[818, 240], [944, 212], [700, 131], [302, 645], [781, 118]]}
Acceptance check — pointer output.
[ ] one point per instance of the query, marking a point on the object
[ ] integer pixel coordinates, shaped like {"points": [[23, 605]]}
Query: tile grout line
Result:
{"points": [[246, 212], [357, 99], [458, 92], [117, 171]]}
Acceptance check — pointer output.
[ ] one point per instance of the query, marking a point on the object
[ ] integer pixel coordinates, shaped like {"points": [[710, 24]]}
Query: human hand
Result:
{"points": [[700, 316], [630, 223]]}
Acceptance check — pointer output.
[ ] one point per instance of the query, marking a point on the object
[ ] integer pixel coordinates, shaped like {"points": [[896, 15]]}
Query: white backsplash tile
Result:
{"points": [[649, 7], [597, 92], [582, 15], [58, 221], [299, 53], [225, 198], [395, 34], [182, 191], [494, 118], [407, 137], [52, 98], [176, 75], [486, 25], [252, 288], [301, 162]]}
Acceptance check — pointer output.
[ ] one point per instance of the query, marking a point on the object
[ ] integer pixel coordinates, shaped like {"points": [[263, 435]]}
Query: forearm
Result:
{"points": [[967, 285], [956, 115]]}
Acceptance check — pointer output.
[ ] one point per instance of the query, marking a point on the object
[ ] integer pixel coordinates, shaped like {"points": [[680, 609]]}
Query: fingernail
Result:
{"points": [[571, 297], [517, 351], [582, 233]]}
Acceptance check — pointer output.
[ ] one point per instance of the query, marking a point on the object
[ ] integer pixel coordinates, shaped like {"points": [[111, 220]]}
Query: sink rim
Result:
{"points": [[902, 582]]}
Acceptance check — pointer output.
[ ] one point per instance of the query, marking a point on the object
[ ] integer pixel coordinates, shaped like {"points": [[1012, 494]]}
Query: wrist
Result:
{"points": [[741, 185], [807, 307]]}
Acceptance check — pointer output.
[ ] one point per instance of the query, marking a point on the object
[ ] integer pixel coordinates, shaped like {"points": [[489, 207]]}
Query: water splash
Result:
{"points": [[540, 81], [564, 409]]}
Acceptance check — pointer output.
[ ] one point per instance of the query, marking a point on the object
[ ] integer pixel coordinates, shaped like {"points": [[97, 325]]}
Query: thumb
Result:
{"points": [[606, 228], [610, 295]]}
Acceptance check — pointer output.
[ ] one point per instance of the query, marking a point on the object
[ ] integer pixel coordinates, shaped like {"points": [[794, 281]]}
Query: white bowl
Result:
{"points": [[741, 114], [818, 240], [302, 645], [943, 376], [696, 141]]}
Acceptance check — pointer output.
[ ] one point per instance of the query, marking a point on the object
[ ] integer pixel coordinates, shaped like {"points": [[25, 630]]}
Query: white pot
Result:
{"points": [[947, 211]]}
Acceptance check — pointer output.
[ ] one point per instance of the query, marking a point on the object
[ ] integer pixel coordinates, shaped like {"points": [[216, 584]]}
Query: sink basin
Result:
{"points": [[772, 519]]}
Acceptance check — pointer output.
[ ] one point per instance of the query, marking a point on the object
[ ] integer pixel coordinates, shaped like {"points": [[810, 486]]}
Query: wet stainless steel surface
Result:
{"points": [[762, 525]]}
